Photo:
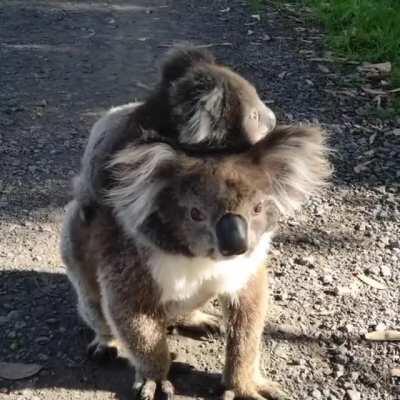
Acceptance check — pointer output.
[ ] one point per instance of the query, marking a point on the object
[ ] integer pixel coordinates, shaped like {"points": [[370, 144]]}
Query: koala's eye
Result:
{"points": [[258, 208], [197, 215]]}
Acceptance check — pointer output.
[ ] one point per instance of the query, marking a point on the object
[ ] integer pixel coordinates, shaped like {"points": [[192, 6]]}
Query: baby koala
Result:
{"points": [[176, 230], [198, 106]]}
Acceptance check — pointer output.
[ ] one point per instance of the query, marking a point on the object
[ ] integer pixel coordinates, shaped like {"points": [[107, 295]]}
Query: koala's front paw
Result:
{"points": [[260, 391], [146, 390], [101, 353]]}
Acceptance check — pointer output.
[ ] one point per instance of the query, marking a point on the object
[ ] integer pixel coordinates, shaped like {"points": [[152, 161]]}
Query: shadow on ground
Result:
{"points": [[39, 324]]}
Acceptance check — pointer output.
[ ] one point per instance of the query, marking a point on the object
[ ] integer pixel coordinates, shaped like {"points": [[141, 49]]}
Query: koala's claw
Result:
{"points": [[101, 353], [167, 390], [212, 325], [271, 390], [202, 323], [265, 390], [147, 390]]}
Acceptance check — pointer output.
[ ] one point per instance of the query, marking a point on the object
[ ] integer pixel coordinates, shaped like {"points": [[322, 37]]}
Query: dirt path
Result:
{"points": [[63, 63]]}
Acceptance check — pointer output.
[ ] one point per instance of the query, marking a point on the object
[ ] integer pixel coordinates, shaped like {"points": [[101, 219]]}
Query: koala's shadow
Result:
{"points": [[39, 324]]}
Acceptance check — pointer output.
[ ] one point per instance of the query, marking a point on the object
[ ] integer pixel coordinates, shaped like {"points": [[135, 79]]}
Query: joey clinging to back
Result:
{"points": [[179, 230], [198, 106]]}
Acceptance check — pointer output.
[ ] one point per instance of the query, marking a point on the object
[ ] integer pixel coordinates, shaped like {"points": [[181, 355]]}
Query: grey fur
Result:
{"points": [[197, 103], [135, 272]]}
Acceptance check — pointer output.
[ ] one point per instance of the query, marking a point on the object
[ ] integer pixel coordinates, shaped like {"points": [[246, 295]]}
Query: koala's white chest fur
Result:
{"points": [[195, 280]]}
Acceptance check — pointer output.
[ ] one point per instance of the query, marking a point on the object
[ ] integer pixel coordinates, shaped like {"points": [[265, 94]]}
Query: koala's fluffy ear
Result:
{"points": [[140, 173], [293, 160], [182, 58]]}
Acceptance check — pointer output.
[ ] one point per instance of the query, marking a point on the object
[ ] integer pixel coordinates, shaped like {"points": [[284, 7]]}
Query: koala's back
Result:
{"points": [[98, 248], [74, 249], [108, 135]]}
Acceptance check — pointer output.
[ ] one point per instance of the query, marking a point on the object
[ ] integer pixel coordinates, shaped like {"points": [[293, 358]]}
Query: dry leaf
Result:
{"points": [[347, 92], [378, 70], [142, 85], [369, 153], [372, 138], [321, 59], [14, 371], [374, 92], [346, 61], [323, 69], [395, 372], [204, 46], [372, 282], [361, 167], [383, 336], [396, 132]]}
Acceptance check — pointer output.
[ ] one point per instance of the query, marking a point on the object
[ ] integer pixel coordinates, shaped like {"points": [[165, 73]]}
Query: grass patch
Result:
{"points": [[361, 30], [366, 29]]}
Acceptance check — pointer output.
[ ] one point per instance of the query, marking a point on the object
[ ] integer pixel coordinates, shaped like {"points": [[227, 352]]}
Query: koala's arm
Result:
{"points": [[245, 316], [108, 135], [132, 309]]}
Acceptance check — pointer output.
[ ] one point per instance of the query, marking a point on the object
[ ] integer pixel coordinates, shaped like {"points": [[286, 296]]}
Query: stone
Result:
{"points": [[353, 395]]}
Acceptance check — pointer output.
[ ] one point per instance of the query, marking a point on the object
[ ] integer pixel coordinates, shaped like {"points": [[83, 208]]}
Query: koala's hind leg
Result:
{"points": [[139, 324], [82, 274], [89, 308], [245, 317]]}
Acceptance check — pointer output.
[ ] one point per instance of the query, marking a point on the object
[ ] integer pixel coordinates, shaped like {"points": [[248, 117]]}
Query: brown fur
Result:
{"points": [[245, 318], [126, 272]]}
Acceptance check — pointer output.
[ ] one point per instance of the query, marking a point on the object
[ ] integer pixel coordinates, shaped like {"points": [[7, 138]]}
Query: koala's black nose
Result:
{"points": [[232, 235]]}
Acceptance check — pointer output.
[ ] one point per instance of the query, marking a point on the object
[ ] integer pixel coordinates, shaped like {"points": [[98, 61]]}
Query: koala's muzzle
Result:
{"points": [[232, 235]]}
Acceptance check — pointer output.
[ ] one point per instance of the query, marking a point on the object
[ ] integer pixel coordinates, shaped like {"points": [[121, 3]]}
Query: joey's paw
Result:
{"points": [[212, 325], [271, 390], [149, 389], [101, 353], [202, 323], [265, 390]]}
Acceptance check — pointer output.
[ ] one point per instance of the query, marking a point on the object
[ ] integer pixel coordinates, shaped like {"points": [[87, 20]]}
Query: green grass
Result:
{"points": [[361, 30]]}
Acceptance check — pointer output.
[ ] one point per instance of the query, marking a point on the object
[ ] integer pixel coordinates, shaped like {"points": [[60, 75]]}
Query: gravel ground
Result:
{"points": [[63, 63]]}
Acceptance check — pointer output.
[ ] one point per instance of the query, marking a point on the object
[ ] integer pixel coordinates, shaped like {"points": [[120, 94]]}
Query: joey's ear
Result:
{"points": [[140, 173], [258, 120], [294, 160], [180, 59]]}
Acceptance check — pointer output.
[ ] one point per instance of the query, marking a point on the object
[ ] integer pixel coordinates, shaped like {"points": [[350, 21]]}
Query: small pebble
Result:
{"points": [[309, 261], [316, 394], [339, 370], [385, 271], [327, 279], [380, 326], [353, 395]]}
